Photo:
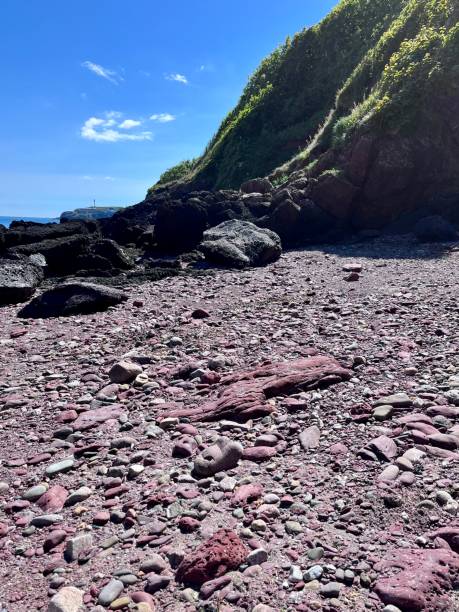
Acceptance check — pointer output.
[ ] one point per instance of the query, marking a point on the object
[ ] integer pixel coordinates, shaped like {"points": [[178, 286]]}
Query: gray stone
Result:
{"points": [[78, 544], [61, 466], [110, 592], [257, 556], [68, 599], [46, 520], [78, 496], [221, 456]]}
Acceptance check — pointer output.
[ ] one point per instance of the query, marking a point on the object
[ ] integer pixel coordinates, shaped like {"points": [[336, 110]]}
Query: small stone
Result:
{"points": [[46, 520], [110, 592], [124, 372], [293, 527], [295, 575], [78, 496], [154, 563], [58, 468], [77, 545], [383, 412], [331, 589], [257, 556], [313, 573], [68, 599]]}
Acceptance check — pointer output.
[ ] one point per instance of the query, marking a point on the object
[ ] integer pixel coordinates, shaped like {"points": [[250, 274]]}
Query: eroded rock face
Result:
{"points": [[222, 553], [18, 280], [245, 395], [417, 578], [240, 244], [71, 299]]}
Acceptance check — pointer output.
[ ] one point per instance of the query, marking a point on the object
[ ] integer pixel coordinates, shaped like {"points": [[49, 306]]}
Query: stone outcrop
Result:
{"points": [[417, 577], [245, 395]]}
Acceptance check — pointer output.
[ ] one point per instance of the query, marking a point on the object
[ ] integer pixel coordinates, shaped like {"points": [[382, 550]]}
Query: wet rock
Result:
{"points": [[222, 553]]}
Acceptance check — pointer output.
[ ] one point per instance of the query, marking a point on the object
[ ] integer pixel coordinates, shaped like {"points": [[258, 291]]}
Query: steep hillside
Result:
{"points": [[289, 96], [364, 106], [392, 140]]}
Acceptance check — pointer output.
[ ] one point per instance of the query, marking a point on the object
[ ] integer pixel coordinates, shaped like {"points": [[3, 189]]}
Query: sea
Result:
{"points": [[6, 221]]}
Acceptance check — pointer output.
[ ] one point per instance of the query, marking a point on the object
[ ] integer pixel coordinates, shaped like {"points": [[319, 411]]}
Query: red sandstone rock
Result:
{"points": [[244, 395], [91, 418], [246, 494], [417, 578], [222, 553], [53, 500]]}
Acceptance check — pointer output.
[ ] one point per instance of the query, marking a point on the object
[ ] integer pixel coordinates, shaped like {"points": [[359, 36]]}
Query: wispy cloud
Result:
{"points": [[107, 129], [128, 124], [176, 76], [163, 117], [89, 177], [104, 73]]}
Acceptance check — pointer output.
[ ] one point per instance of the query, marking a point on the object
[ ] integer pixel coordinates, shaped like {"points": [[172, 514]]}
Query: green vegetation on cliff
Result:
{"points": [[370, 66]]}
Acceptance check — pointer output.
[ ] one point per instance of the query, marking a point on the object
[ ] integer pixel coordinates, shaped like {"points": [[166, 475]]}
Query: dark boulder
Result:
{"points": [[257, 185], [111, 251], [180, 225], [239, 244], [60, 253], [435, 229], [18, 280], [300, 224], [2, 238], [22, 232], [72, 299]]}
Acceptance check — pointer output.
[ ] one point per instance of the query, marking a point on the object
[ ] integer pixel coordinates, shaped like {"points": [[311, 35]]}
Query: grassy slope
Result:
{"points": [[371, 67], [415, 61], [290, 95]]}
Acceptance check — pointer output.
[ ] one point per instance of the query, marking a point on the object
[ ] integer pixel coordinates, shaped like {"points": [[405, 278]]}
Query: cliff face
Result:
{"points": [[365, 105]]}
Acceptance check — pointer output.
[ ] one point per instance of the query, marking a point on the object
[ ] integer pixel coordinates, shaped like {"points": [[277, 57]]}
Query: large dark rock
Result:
{"points": [[180, 225], [435, 229], [239, 244], [257, 185], [72, 299], [2, 238], [112, 251], [22, 232], [60, 253], [18, 280]]}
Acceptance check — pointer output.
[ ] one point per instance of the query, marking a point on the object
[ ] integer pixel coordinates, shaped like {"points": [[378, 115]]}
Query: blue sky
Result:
{"points": [[101, 96]]}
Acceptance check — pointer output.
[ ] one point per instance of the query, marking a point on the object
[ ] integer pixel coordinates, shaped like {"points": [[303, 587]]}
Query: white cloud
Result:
{"points": [[106, 129], [179, 78], [163, 117], [128, 124], [104, 73]]}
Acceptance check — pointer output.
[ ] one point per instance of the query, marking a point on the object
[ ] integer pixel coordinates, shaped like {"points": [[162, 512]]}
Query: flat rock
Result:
{"points": [[72, 299], [244, 395], [417, 578]]}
